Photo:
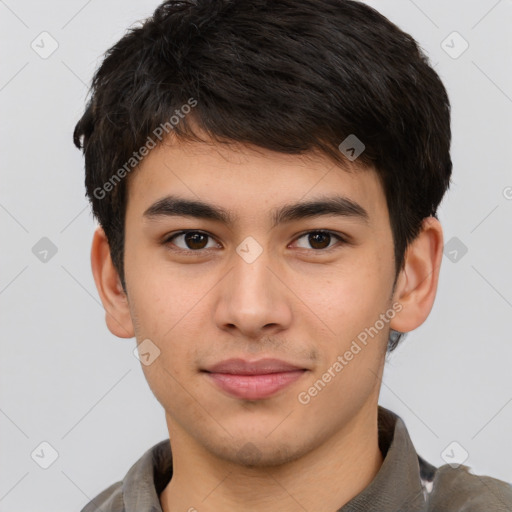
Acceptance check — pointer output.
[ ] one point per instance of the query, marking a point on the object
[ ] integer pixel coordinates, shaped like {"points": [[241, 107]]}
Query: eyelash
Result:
{"points": [[195, 252]]}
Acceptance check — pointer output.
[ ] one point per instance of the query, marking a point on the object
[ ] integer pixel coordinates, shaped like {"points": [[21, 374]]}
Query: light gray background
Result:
{"points": [[66, 380]]}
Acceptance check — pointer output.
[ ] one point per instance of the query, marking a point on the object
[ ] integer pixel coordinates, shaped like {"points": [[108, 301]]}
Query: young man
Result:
{"points": [[266, 176]]}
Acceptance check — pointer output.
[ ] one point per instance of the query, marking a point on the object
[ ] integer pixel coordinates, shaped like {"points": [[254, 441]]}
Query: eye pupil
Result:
{"points": [[317, 240], [196, 240]]}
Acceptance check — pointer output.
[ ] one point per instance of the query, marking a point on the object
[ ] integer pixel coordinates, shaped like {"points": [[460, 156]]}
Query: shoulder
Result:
{"points": [[140, 488], [110, 499], [456, 489]]}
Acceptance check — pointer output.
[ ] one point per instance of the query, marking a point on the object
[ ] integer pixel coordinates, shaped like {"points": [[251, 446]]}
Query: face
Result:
{"points": [[251, 274]]}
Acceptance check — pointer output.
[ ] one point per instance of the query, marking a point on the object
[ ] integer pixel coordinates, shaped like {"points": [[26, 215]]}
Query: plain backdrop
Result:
{"points": [[68, 383]]}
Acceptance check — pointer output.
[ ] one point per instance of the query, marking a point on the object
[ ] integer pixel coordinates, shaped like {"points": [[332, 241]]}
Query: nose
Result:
{"points": [[253, 300]]}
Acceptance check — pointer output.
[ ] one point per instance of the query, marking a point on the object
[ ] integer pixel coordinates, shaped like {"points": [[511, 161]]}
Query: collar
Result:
{"points": [[397, 487]]}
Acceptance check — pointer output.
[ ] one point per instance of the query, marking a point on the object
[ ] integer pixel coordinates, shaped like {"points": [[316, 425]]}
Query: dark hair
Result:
{"points": [[286, 75]]}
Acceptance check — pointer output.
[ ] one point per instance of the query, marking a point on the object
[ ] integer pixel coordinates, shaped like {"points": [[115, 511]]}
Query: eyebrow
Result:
{"points": [[342, 206]]}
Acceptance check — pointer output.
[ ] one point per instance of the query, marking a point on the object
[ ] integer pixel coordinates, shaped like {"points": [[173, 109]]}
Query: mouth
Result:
{"points": [[254, 380]]}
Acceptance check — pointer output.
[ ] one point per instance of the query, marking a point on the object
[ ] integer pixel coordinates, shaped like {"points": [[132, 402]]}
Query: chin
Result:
{"points": [[257, 454]]}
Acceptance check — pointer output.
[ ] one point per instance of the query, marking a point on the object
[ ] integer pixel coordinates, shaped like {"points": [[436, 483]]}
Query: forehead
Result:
{"points": [[247, 180]]}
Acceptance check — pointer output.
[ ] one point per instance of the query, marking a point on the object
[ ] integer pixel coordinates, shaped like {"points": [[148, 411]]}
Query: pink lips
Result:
{"points": [[253, 380]]}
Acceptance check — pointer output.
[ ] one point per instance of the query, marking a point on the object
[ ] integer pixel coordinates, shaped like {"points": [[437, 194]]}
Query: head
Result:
{"points": [[236, 111]]}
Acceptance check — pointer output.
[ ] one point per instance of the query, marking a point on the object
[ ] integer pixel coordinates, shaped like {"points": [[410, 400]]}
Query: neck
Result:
{"points": [[323, 480]]}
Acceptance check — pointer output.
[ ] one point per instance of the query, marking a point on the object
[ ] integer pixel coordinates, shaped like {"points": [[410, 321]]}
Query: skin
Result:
{"points": [[299, 302]]}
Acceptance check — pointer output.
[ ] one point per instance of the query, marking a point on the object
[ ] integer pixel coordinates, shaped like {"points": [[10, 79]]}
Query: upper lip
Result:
{"points": [[260, 367]]}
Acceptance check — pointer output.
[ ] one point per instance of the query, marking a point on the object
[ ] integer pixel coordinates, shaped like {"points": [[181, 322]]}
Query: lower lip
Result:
{"points": [[255, 387]]}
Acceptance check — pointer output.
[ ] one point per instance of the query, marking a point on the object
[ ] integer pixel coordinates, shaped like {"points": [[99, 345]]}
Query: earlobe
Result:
{"points": [[417, 283], [108, 284]]}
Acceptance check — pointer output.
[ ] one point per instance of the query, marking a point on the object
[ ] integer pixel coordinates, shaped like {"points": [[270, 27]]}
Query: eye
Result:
{"points": [[319, 240], [197, 241], [191, 241]]}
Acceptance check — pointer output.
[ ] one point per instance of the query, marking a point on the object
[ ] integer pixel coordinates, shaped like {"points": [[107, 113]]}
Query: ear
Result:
{"points": [[417, 282], [113, 297]]}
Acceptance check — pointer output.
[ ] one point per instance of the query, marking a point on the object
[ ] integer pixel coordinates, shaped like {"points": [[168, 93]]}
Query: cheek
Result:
{"points": [[349, 297], [163, 298], [165, 319], [171, 385], [350, 302]]}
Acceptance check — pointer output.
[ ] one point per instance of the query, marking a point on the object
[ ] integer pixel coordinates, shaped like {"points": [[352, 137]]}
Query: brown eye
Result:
{"points": [[196, 240], [191, 240], [319, 240]]}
